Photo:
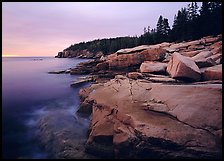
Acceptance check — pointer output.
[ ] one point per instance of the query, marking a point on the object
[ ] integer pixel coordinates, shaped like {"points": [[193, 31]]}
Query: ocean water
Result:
{"points": [[29, 93]]}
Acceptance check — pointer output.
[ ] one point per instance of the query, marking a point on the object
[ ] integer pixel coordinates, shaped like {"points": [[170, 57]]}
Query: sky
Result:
{"points": [[45, 28]]}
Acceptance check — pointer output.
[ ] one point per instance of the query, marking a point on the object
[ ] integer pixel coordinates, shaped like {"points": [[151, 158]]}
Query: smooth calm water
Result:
{"points": [[29, 93]]}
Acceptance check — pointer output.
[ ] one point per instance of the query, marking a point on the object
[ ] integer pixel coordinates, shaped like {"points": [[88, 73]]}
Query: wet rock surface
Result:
{"points": [[61, 138]]}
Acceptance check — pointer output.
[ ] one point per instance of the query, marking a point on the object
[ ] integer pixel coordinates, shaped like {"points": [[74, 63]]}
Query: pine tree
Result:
{"points": [[210, 18], [192, 11], [159, 29], [145, 31], [192, 24], [179, 30], [166, 29]]}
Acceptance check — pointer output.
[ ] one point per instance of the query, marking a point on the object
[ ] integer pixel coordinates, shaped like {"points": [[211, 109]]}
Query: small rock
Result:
{"points": [[56, 72], [81, 81], [135, 75]]}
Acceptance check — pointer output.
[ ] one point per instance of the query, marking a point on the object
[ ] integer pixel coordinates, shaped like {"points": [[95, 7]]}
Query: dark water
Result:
{"points": [[29, 93]]}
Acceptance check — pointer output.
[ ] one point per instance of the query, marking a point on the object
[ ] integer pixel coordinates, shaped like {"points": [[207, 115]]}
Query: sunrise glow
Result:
{"points": [[45, 28], [9, 55]]}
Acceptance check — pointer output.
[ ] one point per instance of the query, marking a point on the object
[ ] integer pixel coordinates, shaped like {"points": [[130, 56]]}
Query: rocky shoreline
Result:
{"points": [[160, 101]]}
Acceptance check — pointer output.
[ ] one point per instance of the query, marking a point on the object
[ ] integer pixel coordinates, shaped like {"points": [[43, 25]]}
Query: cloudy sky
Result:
{"points": [[45, 28]]}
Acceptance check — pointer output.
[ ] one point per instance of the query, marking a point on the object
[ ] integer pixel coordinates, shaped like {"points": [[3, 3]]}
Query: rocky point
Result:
{"points": [[160, 101]]}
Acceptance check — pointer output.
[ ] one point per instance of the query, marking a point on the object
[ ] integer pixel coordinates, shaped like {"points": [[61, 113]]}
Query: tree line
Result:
{"points": [[190, 23]]}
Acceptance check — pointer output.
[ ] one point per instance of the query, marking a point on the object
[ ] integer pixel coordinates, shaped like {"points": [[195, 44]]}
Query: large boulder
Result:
{"points": [[119, 61], [153, 54], [153, 67], [138, 119], [183, 67], [124, 60], [213, 73]]}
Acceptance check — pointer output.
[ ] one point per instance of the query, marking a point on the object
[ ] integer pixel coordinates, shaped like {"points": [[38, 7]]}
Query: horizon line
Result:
{"points": [[27, 55]]}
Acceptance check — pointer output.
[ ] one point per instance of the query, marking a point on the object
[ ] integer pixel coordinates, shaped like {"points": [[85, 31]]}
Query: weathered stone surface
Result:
{"points": [[152, 67], [216, 45], [102, 66], [215, 57], [183, 67], [81, 80], [162, 45], [134, 117], [210, 39], [163, 80], [124, 60], [157, 116], [216, 51], [205, 62], [142, 47], [213, 73], [171, 50], [203, 54], [195, 42], [196, 47], [118, 61], [85, 67], [208, 61], [190, 53], [84, 92], [209, 82], [153, 54], [179, 45], [131, 50], [86, 107], [135, 75]]}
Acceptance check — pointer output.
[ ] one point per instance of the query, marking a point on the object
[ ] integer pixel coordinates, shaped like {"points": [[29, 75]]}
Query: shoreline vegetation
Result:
{"points": [[157, 100]]}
